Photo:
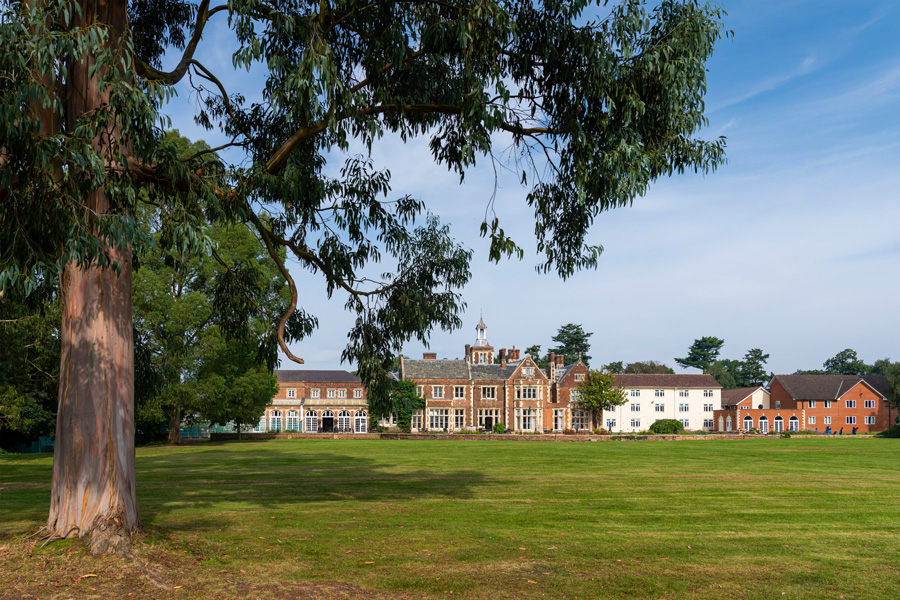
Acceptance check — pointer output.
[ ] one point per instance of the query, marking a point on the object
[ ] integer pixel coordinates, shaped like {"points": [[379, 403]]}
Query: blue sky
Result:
{"points": [[792, 247]]}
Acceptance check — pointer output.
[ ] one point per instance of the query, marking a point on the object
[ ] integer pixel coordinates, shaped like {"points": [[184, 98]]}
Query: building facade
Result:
{"points": [[688, 398], [312, 401], [818, 403]]}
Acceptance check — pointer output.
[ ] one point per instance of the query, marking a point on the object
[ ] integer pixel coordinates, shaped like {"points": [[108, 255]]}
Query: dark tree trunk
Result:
{"points": [[174, 426], [93, 491]]}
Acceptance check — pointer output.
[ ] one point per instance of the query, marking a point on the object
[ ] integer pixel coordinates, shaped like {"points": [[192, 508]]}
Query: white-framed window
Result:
{"points": [[580, 419], [636, 407], [293, 421], [707, 393], [636, 423], [683, 408], [389, 421], [707, 423], [851, 403], [344, 422], [459, 392], [686, 423], [826, 403], [575, 396], [610, 424], [357, 393], [261, 426], [851, 421], [826, 420], [579, 376], [659, 407], [707, 408], [314, 393], [526, 393], [526, 419], [331, 393], [360, 422], [416, 421], [811, 420], [459, 418], [419, 391], [870, 404], [275, 421], [793, 424], [438, 418], [291, 393], [437, 391], [312, 421], [812, 404], [488, 417], [559, 419], [748, 422], [635, 393], [683, 393], [342, 393], [659, 393], [778, 404], [870, 420], [488, 393], [528, 370]]}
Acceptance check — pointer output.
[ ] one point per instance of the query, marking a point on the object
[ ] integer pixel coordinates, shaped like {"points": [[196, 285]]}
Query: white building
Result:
{"points": [[690, 399]]}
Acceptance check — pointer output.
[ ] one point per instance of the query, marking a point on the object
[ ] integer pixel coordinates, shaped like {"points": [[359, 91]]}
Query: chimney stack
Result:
{"points": [[468, 353], [429, 355], [503, 357], [551, 366], [514, 354], [560, 361]]}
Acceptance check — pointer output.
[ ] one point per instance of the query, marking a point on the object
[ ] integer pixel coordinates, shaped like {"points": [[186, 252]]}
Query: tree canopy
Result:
{"points": [[594, 107], [648, 366], [601, 391], [702, 353], [572, 341]]}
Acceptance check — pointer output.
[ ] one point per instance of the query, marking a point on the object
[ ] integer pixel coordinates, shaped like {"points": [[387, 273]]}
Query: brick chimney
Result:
{"points": [[514, 354], [503, 357], [429, 355], [551, 366], [468, 353], [560, 361]]}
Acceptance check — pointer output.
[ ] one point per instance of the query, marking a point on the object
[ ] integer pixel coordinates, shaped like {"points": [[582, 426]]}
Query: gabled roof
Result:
{"points": [[734, 397], [828, 387], [435, 369], [666, 380], [309, 376]]}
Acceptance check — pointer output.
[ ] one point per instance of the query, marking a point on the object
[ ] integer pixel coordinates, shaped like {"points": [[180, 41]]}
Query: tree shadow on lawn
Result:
{"points": [[202, 484]]}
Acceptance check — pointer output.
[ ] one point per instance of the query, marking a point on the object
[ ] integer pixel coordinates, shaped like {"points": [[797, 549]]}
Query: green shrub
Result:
{"points": [[499, 428], [667, 426], [893, 432]]}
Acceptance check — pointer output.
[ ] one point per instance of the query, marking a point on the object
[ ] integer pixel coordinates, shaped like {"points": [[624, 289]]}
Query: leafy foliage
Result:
{"points": [[648, 366], [667, 426], [702, 353], [846, 362], [405, 402], [601, 391], [572, 341]]}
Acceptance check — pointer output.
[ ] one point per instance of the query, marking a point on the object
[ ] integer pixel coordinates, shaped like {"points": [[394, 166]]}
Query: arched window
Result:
{"points": [[748, 423], [275, 421], [728, 424], [312, 421], [794, 424], [361, 422], [293, 421], [779, 424], [764, 424], [343, 422]]}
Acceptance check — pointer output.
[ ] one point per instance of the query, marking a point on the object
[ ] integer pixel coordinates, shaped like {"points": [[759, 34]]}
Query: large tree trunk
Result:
{"points": [[93, 491], [175, 426]]}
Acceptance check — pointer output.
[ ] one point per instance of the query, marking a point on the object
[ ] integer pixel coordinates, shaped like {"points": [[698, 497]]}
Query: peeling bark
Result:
{"points": [[93, 490]]}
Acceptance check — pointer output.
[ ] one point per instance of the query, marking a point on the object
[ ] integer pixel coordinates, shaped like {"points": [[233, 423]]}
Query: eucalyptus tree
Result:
{"points": [[595, 105]]}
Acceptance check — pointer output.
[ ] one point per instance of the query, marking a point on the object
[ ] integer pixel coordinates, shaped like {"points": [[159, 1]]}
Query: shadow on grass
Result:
{"points": [[234, 476]]}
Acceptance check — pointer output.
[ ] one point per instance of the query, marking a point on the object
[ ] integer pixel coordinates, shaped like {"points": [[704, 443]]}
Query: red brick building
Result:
{"points": [[317, 401], [823, 403]]}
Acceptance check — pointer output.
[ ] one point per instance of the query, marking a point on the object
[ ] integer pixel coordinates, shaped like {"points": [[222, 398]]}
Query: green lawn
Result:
{"points": [[786, 518]]}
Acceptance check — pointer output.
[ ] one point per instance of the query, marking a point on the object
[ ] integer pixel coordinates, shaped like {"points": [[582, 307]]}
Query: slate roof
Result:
{"points": [[665, 380], [827, 387], [734, 397], [435, 369], [493, 372], [310, 376]]}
